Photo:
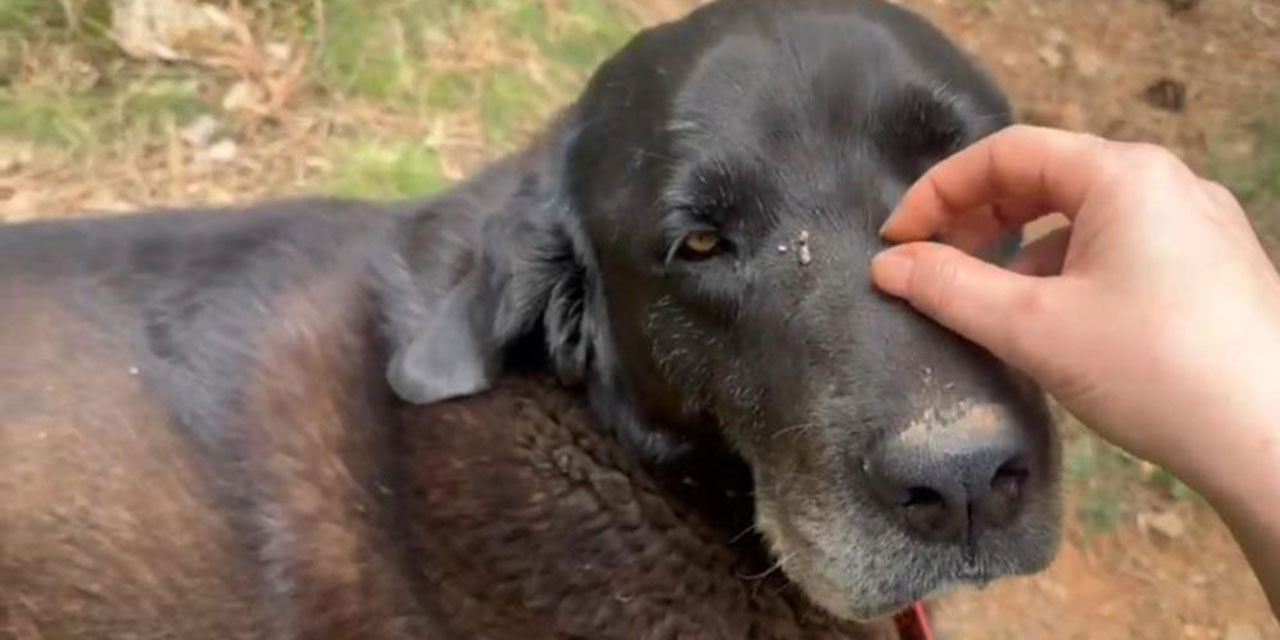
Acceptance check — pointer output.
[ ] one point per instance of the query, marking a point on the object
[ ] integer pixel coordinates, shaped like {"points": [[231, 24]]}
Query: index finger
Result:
{"points": [[1000, 183]]}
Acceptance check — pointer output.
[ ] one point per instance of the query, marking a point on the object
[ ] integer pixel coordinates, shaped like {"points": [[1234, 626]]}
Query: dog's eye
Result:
{"points": [[701, 244]]}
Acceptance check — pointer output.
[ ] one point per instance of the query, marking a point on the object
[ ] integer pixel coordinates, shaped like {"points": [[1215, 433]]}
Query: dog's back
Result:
{"points": [[167, 380]]}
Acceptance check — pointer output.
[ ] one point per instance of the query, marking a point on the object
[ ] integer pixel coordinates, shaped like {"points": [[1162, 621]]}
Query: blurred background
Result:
{"points": [[113, 105]]}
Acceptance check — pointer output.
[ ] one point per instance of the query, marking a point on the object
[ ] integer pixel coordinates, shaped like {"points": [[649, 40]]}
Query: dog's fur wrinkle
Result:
{"points": [[517, 409]]}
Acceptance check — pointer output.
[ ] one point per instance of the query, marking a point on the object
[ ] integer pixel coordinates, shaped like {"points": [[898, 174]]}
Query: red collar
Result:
{"points": [[913, 623]]}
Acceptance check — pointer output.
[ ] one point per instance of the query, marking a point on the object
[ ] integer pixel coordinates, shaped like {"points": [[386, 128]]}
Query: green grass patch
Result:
{"points": [[365, 48], [26, 15], [1098, 470], [1172, 487], [383, 170], [510, 102], [1257, 179], [385, 50], [77, 120]]}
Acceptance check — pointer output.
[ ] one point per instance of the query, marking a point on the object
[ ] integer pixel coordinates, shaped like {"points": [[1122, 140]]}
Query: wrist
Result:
{"points": [[1232, 452]]}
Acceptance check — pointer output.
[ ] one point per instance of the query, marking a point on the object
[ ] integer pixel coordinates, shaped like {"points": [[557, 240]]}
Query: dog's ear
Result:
{"points": [[455, 309], [445, 358]]}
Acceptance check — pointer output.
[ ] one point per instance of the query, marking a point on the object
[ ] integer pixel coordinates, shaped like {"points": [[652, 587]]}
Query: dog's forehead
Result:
{"points": [[792, 64]]}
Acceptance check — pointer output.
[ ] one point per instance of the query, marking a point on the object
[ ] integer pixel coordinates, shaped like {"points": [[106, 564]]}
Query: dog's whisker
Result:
{"points": [[775, 567], [742, 534], [795, 428]]}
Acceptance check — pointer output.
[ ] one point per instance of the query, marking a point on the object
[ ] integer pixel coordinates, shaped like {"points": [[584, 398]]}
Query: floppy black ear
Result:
{"points": [[473, 280], [445, 358]]}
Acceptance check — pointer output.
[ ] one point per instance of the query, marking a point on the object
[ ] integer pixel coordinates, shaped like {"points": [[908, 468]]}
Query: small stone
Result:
{"points": [[1051, 56], [243, 96], [200, 132], [1147, 469], [782, 248], [1168, 525], [279, 51], [133, 371], [1241, 631], [804, 236], [222, 152]]}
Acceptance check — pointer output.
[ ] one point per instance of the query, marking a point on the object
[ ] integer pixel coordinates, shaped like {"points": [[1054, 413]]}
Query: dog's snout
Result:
{"points": [[951, 475]]}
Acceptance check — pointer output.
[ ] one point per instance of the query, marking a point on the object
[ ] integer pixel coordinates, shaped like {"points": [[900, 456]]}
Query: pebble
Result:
{"points": [[1168, 525], [1051, 56], [222, 151], [200, 132]]}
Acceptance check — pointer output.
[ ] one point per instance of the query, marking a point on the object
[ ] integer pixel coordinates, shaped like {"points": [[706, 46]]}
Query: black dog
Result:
{"points": [[202, 437]]}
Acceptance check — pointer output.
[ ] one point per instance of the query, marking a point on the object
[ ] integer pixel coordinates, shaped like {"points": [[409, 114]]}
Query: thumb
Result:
{"points": [[991, 306]]}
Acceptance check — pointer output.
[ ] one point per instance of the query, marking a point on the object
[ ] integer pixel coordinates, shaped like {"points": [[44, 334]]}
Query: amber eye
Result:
{"points": [[702, 243]]}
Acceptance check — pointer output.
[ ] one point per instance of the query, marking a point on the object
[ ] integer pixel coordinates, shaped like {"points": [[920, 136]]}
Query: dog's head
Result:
{"points": [[699, 259]]}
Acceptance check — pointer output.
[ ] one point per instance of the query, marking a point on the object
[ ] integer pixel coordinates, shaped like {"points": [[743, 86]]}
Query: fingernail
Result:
{"points": [[891, 271], [886, 224]]}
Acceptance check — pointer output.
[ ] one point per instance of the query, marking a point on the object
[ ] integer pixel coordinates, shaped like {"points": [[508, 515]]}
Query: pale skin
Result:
{"points": [[1154, 317]]}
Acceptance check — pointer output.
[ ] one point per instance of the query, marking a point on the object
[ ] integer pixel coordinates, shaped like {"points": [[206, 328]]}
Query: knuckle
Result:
{"points": [[1027, 303], [1152, 157]]}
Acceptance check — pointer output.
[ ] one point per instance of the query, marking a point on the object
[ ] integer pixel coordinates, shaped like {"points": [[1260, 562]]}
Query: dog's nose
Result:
{"points": [[951, 475]]}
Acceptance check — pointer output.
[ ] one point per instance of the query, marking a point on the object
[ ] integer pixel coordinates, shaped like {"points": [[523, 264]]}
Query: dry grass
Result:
{"points": [[375, 98]]}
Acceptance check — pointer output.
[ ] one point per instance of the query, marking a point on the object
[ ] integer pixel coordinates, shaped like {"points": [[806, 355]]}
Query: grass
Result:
{"points": [[1106, 481], [76, 120], [1098, 471], [380, 170], [1255, 177], [1256, 180], [513, 61], [490, 72]]}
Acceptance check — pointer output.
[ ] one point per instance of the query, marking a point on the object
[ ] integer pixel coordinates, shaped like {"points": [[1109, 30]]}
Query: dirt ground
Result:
{"points": [[1142, 557]]}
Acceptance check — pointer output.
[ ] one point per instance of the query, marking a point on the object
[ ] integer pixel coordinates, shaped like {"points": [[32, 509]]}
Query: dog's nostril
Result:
{"points": [[923, 497], [1009, 479], [1000, 504], [927, 510]]}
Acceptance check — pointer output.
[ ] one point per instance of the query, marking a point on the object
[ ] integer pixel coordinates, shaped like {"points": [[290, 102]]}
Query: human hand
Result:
{"points": [[1155, 317]]}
